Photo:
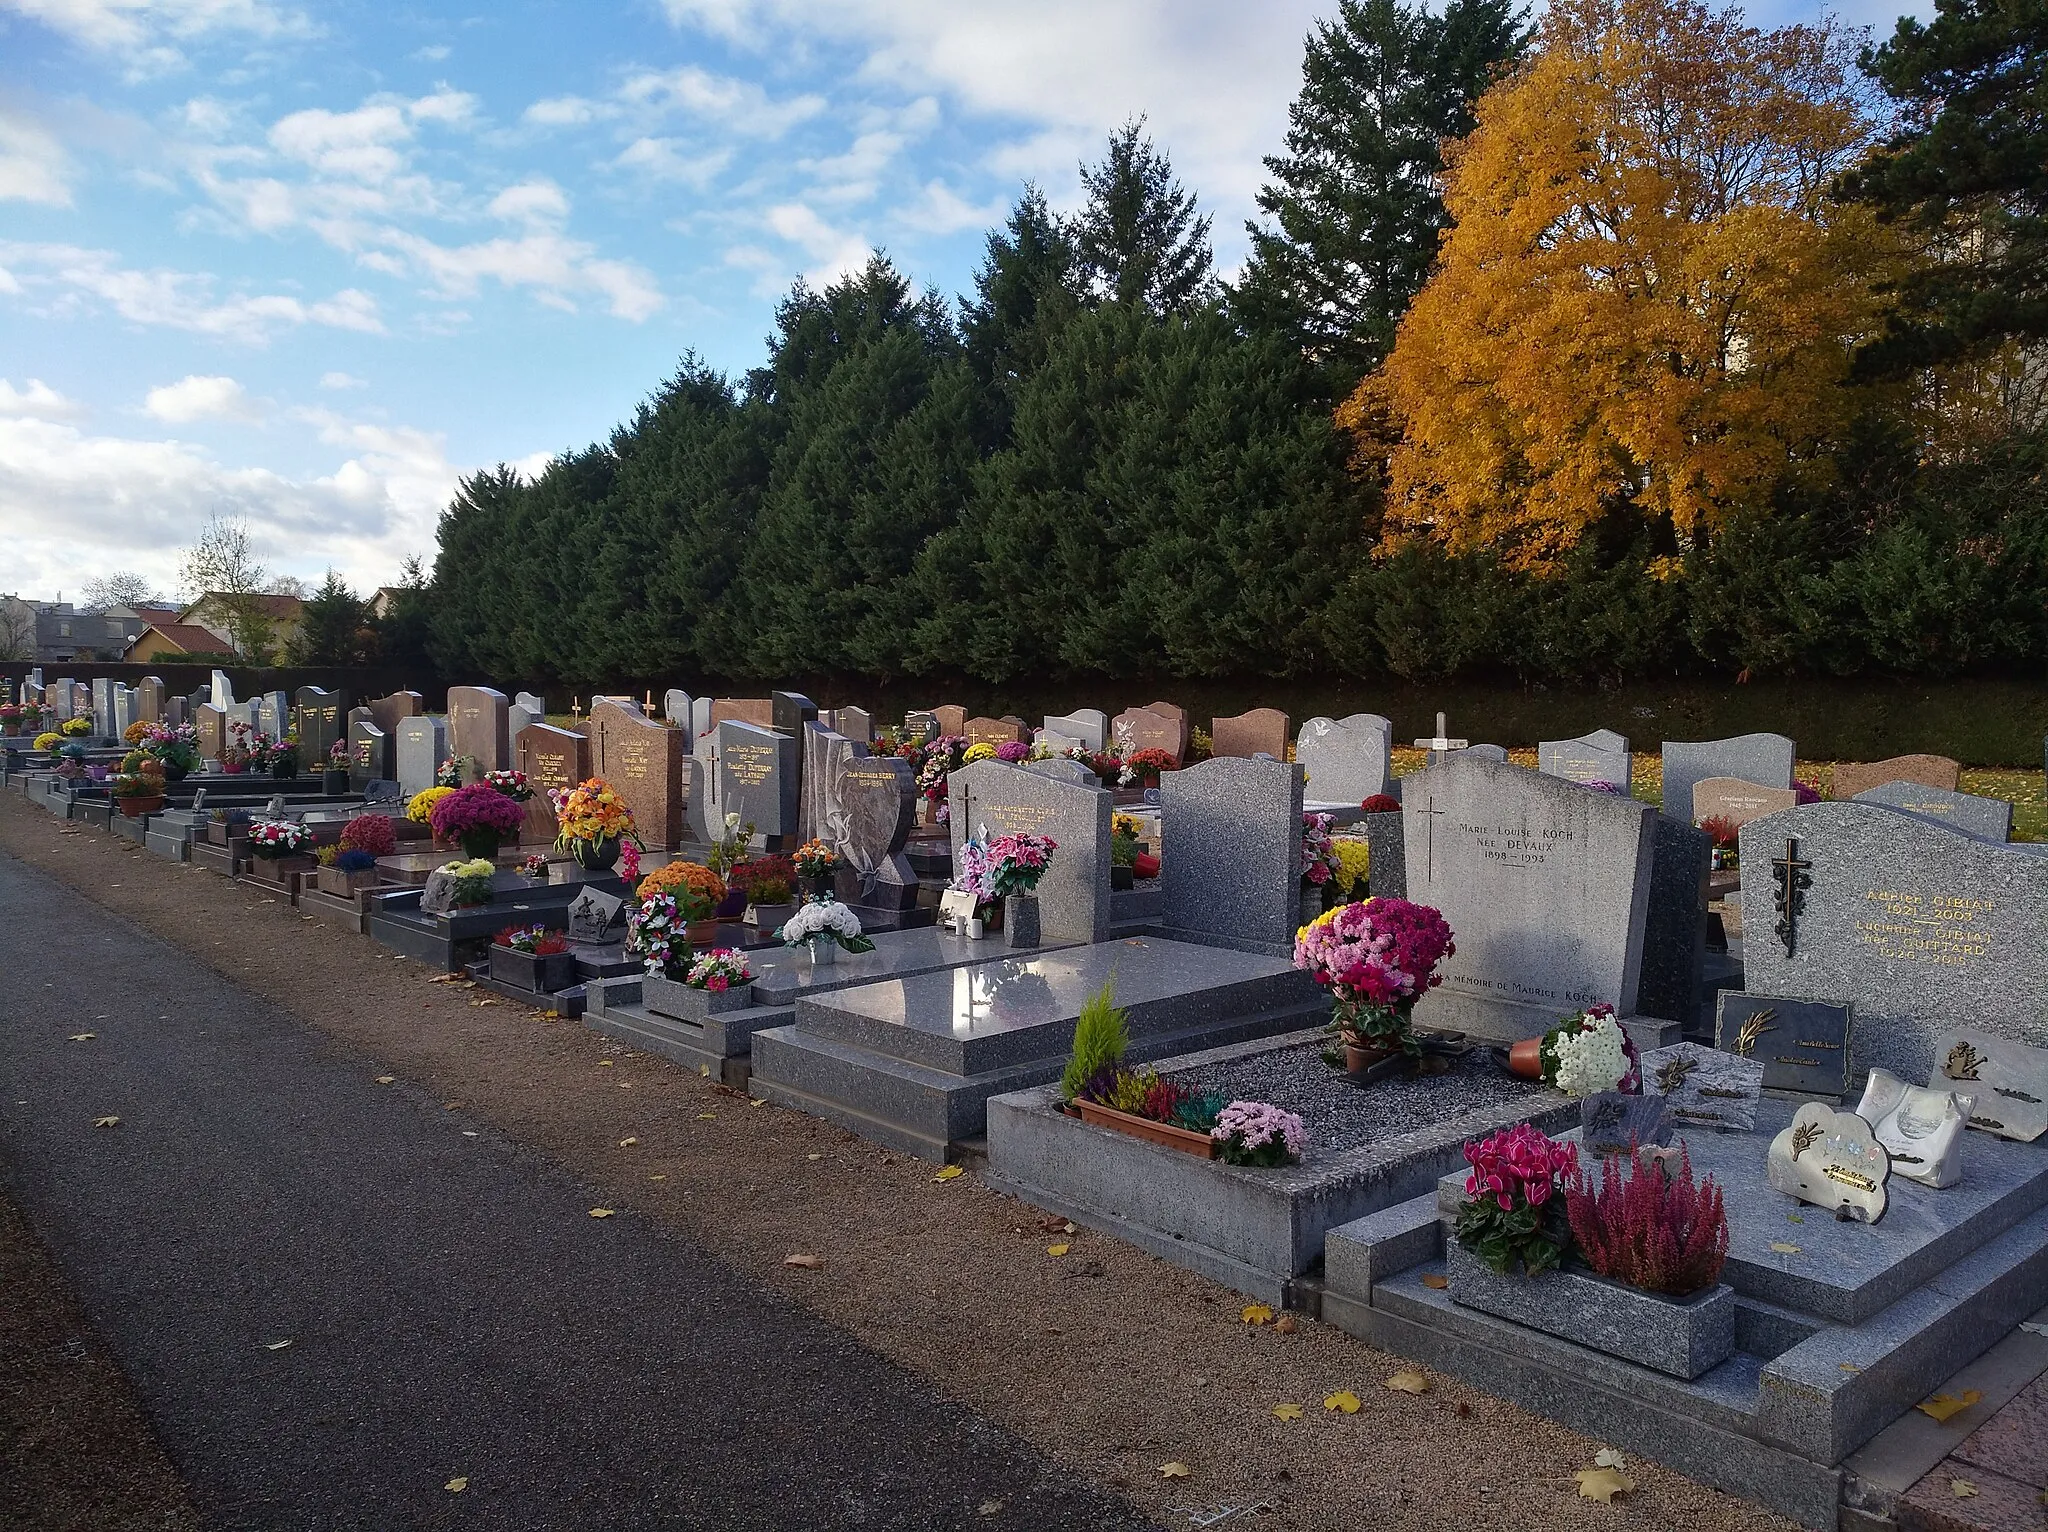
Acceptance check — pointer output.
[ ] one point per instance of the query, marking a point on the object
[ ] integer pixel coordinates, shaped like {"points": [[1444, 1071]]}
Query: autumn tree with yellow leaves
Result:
{"points": [[1647, 303]]}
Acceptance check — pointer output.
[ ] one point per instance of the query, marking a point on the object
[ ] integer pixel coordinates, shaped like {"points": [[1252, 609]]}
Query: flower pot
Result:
{"points": [[344, 884], [1186, 1140], [1120, 878], [542, 974], [234, 768], [286, 766], [481, 845], [334, 783], [1311, 903], [769, 917], [279, 869], [733, 905], [824, 951], [1020, 919], [596, 855], [1525, 1058], [1145, 865], [818, 887], [1363, 1059], [1683, 1337], [685, 1002], [135, 808]]}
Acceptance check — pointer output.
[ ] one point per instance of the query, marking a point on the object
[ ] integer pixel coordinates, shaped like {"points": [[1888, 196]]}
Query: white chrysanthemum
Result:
{"points": [[1592, 1060]]}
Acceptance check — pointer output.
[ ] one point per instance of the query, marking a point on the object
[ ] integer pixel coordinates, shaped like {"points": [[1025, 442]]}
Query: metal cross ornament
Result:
{"points": [[1793, 880]]}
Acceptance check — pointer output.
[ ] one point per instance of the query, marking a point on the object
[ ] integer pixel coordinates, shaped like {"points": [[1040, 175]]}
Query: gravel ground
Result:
{"points": [[1340, 1115], [1108, 1360]]}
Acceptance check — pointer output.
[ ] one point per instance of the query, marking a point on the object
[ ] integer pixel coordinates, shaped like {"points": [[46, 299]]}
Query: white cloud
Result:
{"points": [[342, 380], [146, 33], [32, 163], [177, 300], [37, 399], [738, 107], [941, 210], [833, 252], [536, 200], [560, 112], [553, 266], [200, 398], [669, 159], [431, 55], [358, 144]]}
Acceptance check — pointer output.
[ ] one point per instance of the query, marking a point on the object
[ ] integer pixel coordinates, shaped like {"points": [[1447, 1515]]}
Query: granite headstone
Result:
{"points": [[553, 760], [1852, 779], [1231, 872], [1073, 895], [789, 712], [420, 748], [1088, 725], [993, 731], [872, 810], [477, 726], [1986, 818], [369, 754], [643, 760], [1601, 756], [1348, 760], [1765, 759], [1262, 731], [149, 699], [757, 776], [1736, 801], [824, 751], [1142, 729], [319, 717]]}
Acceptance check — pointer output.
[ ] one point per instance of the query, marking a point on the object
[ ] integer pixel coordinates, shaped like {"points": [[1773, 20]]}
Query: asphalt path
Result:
{"points": [[453, 1311]]}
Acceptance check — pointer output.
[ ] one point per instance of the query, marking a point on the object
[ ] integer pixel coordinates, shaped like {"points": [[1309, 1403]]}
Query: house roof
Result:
{"points": [[156, 613], [278, 608], [188, 637]]}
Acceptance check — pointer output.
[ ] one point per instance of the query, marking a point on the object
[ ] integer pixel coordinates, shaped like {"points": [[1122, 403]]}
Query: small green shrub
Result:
{"points": [[1100, 1038]]}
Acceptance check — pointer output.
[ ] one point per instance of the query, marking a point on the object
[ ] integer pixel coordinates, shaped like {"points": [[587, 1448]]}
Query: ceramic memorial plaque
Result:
{"points": [[2009, 1080], [597, 917], [1921, 1129], [1832, 1160], [1612, 1122], [1802, 1044], [1704, 1087]]}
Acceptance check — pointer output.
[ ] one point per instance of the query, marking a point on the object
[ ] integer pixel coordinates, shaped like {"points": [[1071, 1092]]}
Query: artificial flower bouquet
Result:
{"points": [[720, 969], [338, 758], [1588, 1053], [589, 815], [1319, 862], [449, 772], [274, 838], [815, 862], [937, 759], [1124, 840], [177, 746], [1377, 958], [1353, 871], [825, 921], [1015, 863], [1514, 1208], [658, 933], [730, 847], [49, 741], [536, 941], [1141, 768], [512, 784]]}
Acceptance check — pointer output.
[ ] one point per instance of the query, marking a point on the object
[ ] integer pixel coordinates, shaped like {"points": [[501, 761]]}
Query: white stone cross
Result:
{"points": [[1440, 743]]}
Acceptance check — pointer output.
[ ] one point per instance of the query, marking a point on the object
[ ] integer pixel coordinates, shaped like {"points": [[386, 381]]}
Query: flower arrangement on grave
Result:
{"points": [[512, 784], [76, 727], [1124, 840], [592, 822], [273, 838], [1012, 751], [1612, 789], [696, 889], [132, 735], [1584, 1054], [947, 753], [49, 741], [144, 779], [1726, 835], [1318, 855], [449, 772], [350, 859], [629, 863], [472, 881], [1651, 1229], [420, 807], [326, 856], [729, 847], [1377, 958], [720, 969], [1353, 871], [1380, 803], [980, 751], [1201, 744], [765, 879], [477, 818], [822, 923], [1258, 1133], [10, 717], [371, 833], [1514, 1209], [535, 867], [658, 933], [176, 745], [815, 862], [338, 756], [536, 941], [1141, 768]]}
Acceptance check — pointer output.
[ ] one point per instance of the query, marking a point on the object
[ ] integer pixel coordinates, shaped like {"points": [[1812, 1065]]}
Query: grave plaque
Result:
{"points": [[318, 718], [1853, 778], [993, 731], [1546, 887], [369, 754], [1832, 1160], [421, 746], [1611, 1122], [1921, 1128], [873, 808], [1764, 759], [1804, 1045], [1347, 761], [1986, 818], [213, 732], [1737, 801], [1703, 1087], [758, 711], [1088, 725], [1262, 731], [1913, 923], [1231, 876], [477, 726], [823, 752], [1601, 756], [643, 759], [757, 777], [1142, 729], [553, 759], [790, 711], [149, 699], [2009, 1080], [1073, 896], [950, 719], [596, 917]]}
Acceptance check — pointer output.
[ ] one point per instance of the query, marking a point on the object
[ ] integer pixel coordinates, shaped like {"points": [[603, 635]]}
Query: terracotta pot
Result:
{"points": [[1357, 1059], [1186, 1140], [135, 808], [1525, 1058], [1146, 865]]}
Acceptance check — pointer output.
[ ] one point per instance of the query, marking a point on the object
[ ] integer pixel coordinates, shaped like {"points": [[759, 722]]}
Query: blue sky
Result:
{"points": [[309, 263]]}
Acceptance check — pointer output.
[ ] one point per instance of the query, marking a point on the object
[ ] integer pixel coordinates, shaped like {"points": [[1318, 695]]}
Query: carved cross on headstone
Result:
{"points": [[1793, 881], [1441, 743], [1429, 820]]}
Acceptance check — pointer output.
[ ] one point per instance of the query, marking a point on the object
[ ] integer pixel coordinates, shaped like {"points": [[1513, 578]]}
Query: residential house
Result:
{"points": [[214, 611], [163, 638]]}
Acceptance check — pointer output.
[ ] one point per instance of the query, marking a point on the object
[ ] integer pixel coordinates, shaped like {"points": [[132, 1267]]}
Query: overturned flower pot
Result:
{"points": [[1680, 1336], [684, 1002]]}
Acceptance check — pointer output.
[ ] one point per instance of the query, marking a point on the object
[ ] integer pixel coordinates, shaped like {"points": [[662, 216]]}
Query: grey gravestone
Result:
{"points": [[1917, 925], [791, 711], [1068, 771], [103, 705], [920, 726], [124, 710], [194, 701], [149, 699], [1347, 762], [318, 717], [597, 917], [1073, 896], [518, 717], [824, 752], [1384, 838], [1613, 1123], [223, 690], [280, 704], [1986, 818], [270, 719], [872, 809], [177, 711], [757, 777], [533, 704], [369, 754], [1545, 884], [700, 719], [1675, 928], [675, 707], [1496, 753], [1231, 873], [213, 731], [477, 726], [1601, 756], [697, 775], [1803, 1045], [1089, 725], [1765, 759], [1703, 1087], [856, 723], [62, 704], [422, 746]]}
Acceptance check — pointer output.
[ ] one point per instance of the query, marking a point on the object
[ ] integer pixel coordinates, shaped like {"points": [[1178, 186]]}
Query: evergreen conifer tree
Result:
{"points": [[1138, 238]]}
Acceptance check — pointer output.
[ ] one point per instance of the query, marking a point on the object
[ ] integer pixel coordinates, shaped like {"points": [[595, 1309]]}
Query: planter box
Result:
{"points": [[346, 885], [1680, 1336], [136, 808], [279, 869], [528, 970], [1186, 1140], [665, 997]]}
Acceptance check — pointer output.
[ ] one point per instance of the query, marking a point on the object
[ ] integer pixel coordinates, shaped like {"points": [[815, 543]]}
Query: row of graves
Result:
{"points": [[1464, 1063]]}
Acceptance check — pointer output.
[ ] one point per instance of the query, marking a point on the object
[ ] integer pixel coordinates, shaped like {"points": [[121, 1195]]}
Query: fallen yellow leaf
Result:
{"points": [[1962, 1489], [951, 1173], [1057, 1249], [386, 1079], [1287, 1412], [1409, 1381], [604, 1063], [1603, 1484], [627, 1143], [1347, 1401], [1435, 1280], [1941, 1406], [1848, 1367], [457, 1485], [1256, 1314], [702, 1069], [1784, 1249], [1173, 1470], [707, 1117], [602, 1212], [758, 1101], [106, 1122], [83, 1037], [1608, 1457], [658, 1178], [807, 1262]]}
